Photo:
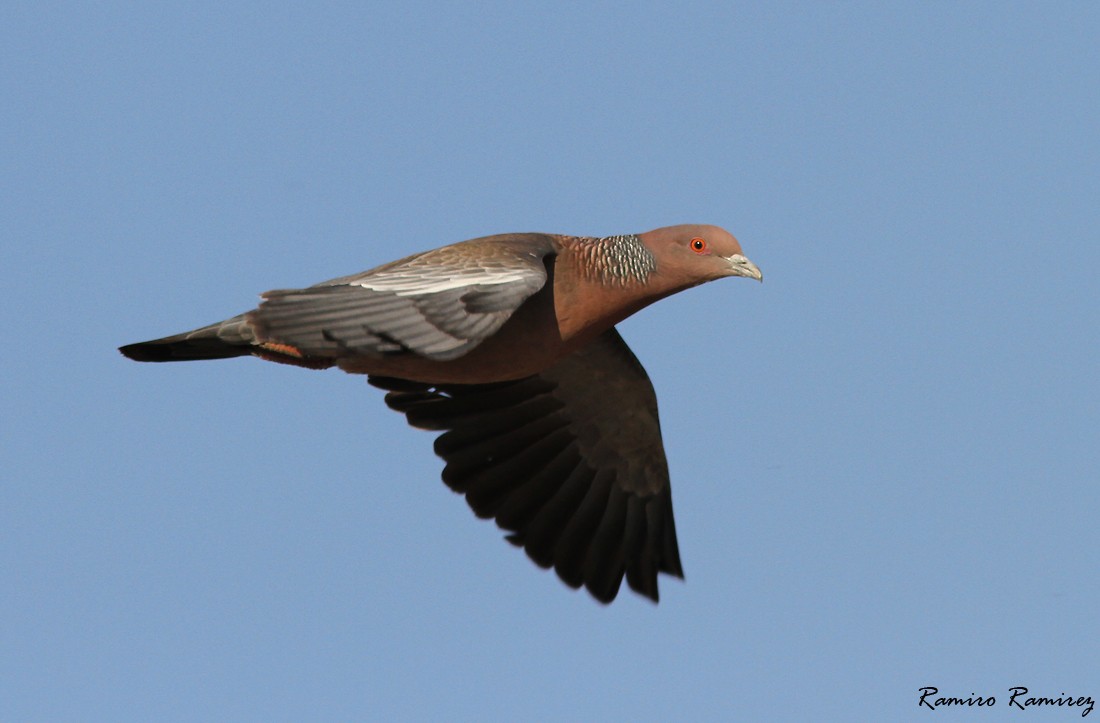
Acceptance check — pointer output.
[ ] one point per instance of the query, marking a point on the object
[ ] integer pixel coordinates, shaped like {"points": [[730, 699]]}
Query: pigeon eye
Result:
{"points": [[698, 245]]}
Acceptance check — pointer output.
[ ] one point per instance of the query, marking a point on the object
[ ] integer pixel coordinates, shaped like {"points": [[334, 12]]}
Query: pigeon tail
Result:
{"points": [[224, 340]]}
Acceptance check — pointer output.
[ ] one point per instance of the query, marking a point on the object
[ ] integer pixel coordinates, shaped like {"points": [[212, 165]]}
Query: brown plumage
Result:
{"points": [[506, 344]]}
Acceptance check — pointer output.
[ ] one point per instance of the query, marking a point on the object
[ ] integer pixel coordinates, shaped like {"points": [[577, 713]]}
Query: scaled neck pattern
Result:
{"points": [[614, 260]]}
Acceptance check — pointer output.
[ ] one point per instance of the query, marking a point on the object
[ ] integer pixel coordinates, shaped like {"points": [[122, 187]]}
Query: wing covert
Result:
{"points": [[439, 304]]}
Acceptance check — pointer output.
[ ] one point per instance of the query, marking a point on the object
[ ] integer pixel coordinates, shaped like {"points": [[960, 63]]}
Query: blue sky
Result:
{"points": [[885, 459]]}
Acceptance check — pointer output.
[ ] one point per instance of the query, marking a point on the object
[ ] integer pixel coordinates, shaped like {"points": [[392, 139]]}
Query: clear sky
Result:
{"points": [[885, 459]]}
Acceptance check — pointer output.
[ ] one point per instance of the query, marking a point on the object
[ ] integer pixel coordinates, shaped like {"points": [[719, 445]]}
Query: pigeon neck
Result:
{"points": [[598, 282], [620, 261]]}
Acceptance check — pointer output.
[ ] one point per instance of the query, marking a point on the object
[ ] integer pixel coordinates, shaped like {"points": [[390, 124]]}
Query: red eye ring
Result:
{"points": [[698, 245]]}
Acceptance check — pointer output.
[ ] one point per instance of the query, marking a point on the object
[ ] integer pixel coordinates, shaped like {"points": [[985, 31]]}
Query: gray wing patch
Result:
{"points": [[439, 305]]}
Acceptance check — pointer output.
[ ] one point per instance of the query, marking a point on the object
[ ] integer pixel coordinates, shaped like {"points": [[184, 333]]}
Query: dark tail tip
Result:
{"points": [[169, 350], [145, 352]]}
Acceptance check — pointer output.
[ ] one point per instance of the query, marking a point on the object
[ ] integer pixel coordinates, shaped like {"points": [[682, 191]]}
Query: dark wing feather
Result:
{"points": [[439, 304], [570, 462]]}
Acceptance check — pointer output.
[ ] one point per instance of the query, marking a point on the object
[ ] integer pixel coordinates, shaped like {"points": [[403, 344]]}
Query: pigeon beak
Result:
{"points": [[741, 266]]}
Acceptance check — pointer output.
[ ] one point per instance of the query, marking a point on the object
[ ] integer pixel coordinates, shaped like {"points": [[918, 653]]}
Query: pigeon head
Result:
{"points": [[694, 254]]}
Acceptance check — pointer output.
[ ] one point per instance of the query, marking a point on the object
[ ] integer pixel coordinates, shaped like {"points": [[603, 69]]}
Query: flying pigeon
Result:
{"points": [[507, 346]]}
